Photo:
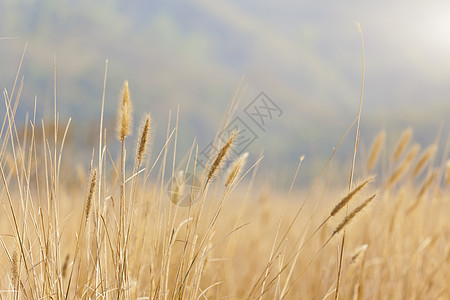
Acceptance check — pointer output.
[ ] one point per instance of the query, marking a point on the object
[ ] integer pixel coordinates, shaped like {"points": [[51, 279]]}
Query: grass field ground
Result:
{"points": [[113, 231]]}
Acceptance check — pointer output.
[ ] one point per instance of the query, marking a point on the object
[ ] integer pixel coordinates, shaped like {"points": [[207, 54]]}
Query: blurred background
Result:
{"points": [[305, 56]]}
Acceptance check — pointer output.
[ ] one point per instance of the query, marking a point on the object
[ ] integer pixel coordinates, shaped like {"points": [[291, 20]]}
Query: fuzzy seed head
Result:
{"points": [[235, 168], [218, 161], [124, 114], [349, 217], [92, 188], [349, 196], [14, 269], [143, 139]]}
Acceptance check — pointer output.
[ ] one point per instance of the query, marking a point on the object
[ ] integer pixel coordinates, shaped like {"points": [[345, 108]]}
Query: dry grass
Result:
{"points": [[118, 235], [375, 150]]}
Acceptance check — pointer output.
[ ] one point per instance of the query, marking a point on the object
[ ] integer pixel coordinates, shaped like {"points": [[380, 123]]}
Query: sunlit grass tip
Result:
{"points": [[235, 169], [124, 114]]}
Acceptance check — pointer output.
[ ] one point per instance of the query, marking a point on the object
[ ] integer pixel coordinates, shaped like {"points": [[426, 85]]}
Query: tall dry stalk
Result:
{"points": [[350, 184], [123, 127]]}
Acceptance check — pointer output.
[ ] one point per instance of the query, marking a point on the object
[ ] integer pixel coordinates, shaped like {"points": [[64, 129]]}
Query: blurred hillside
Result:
{"points": [[306, 56]]}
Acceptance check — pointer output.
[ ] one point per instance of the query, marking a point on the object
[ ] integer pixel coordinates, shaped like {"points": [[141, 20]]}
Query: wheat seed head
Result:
{"points": [[221, 155]]}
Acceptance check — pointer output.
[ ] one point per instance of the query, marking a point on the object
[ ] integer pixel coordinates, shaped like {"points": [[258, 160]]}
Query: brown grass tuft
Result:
{"points": [[124, 114], [403, 142], [376, 149]]}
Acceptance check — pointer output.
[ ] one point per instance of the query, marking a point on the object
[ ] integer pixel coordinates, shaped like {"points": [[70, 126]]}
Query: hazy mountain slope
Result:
{"points": [[305, 56]]}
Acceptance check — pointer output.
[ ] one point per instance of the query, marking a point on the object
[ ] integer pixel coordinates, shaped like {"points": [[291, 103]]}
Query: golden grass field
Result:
{"points": [[111, 231]]}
